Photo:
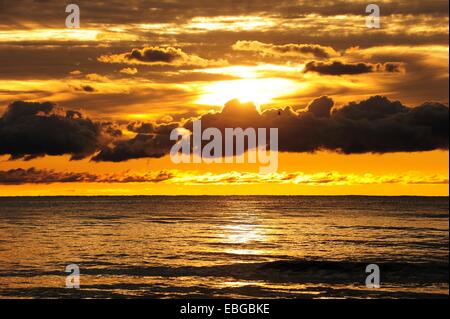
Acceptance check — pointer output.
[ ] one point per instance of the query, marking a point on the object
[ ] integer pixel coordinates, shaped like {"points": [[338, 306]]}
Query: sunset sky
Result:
{"points": [[89, 111]]}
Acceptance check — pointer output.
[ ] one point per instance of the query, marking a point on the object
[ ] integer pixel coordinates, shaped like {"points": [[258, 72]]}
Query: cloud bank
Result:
{"points": [[341, 68], [375, 125], [21, 176]]}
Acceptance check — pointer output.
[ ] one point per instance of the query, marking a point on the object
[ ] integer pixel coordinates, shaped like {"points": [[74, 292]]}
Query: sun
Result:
{"points": [[258, 91]]}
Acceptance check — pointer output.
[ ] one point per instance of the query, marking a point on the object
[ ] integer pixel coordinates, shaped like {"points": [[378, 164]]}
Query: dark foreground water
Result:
{"points": [[257, 246]]}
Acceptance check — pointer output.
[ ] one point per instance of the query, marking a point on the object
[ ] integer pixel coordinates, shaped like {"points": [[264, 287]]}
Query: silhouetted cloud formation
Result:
{"points": [[158, 56], [341, 68], [31, 129], [375, 125], [141, 146], [85, 88], [166, 55], [152, 140], [321, 107], [20, 176], [291, 49]]}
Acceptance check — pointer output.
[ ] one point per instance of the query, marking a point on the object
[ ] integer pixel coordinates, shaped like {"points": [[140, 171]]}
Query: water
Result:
{"points": [[223, 247]]}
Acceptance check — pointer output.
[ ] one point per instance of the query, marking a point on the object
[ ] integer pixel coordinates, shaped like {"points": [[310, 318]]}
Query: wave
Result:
{"points": [[280, 271]]}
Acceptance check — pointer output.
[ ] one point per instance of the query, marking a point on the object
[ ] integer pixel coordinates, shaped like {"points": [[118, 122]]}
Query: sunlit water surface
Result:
{"points": [[243, 247]]}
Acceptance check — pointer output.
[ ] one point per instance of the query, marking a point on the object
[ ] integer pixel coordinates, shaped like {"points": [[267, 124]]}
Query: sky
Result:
{"points": [[89, 111]]}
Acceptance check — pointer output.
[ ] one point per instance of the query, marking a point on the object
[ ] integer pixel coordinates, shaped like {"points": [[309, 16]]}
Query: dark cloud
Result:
{"points": [[85, 88], [375, 125], [20, 176], [166, 55], [321, 106], [31, 129], [141, 146], [341, 68], [151, 128], [291, 49], [145, 128], [88, 88], [32, 175], [152, 141], [158, 56], [391, 67]]}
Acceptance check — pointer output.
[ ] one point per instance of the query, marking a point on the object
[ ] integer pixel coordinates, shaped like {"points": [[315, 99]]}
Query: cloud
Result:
{"points": [[159, 56], [341, 68], [289, 50], [31, 129], [130, 71], [20, 176], [321, 106], [301, 178], [140, 146], [85, 88], [32, 175], [152, 141], [375, 125], [391, 67], [97, 77]]}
